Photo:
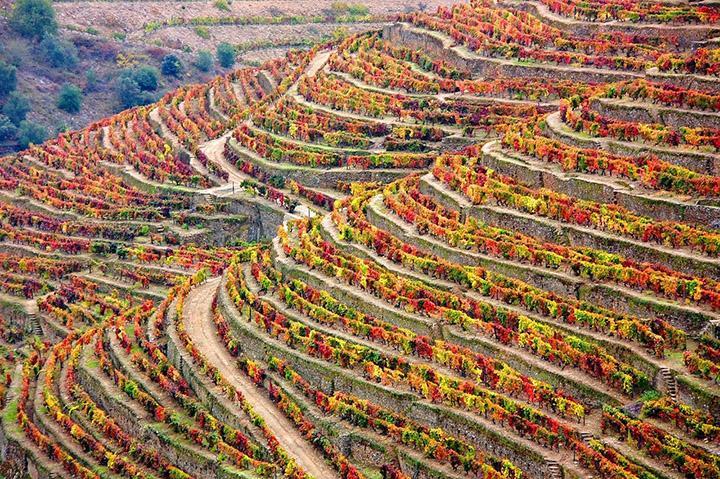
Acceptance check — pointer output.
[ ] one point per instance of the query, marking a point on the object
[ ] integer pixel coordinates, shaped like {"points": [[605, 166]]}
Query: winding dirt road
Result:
{"points": [[199, 325]]}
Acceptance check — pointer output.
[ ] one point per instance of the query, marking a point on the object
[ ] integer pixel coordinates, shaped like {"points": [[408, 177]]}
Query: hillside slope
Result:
{"points": [[479, 242]]}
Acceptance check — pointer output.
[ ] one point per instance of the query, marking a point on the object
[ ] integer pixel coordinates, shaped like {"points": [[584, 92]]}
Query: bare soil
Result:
{"points": [[199, 325]]}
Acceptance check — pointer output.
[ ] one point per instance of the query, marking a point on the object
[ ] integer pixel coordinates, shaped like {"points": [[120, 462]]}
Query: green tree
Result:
{"points": [[171, 66], [226, 55], [16, 107], [70, 98], [130, 94], [30, 132], [146, 77], [59, 53], [7, 129], [8, 78], [204, 61], [33, 18]]}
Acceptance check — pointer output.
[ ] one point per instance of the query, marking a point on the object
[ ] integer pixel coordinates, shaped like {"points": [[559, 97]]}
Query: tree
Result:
{"points": [[59, 53], [146, 78], [33, 18], [204, 61], [8, 78], [91, 81], [7, 129], [226, 55], [130, 94], [70, 98], [16, 107], [171, 66], [30, 132]]}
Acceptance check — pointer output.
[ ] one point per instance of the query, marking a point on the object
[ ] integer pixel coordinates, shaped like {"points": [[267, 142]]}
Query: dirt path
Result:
{"points": [[214, 150], [200, 327]]}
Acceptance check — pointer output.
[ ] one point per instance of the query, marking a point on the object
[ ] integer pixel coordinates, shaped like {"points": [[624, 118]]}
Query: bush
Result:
{"points": [[91, 81], [16, 107], [7, 129], [8, 78], [146, 77], [130, 94], [30, 132], [226, 55], [171, 66], [353, 9], [16, 51], [33, 18], [58, 53], [202, 31], [70, 98], [204, 61], [222, 5]]}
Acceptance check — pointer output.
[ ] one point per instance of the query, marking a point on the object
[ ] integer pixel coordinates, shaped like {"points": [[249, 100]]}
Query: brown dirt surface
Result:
{"points": [[129, 16], [199, 325]]}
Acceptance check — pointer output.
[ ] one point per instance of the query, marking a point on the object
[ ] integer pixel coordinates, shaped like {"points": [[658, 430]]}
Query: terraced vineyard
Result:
{"points": [[482, 242]]}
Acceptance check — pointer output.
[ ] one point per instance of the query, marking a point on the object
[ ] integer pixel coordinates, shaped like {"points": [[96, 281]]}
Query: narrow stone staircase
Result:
{"points": [[586, 436], [32, 325], [554, 469], [670, 383]]}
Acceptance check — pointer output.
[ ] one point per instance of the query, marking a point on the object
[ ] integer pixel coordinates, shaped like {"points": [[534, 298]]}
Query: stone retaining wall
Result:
{"points": [[317, 177], [330, 378]]}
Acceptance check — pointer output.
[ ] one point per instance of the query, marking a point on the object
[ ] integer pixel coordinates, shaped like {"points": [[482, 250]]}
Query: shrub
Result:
{"points": [[352, 9], [15, 51], [358, 10], [222, 5], [7, 129], [202, 31], [171, 66], [16, 107], [146, 77], [70, 98], [58, 53], [204, 61], [8, 78], [30, 132], [33, 18], [226, 55], [91, 81], [130, 94], [152, 26]]}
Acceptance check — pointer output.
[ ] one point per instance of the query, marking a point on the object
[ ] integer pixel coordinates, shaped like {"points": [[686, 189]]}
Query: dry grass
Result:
{"points": [[129, 17]]}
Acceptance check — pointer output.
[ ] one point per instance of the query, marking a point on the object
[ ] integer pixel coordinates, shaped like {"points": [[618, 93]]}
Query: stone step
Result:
{"points": [[692, 159], [586, 436], [554, 469], [19, 452], [610, 295], [555, 231], [670, 383], [331, 377], [680, 34], [657, 204], [137, 421], [580, 385], [33, 324], [631, 110], [317, 177], [439, 44]]}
